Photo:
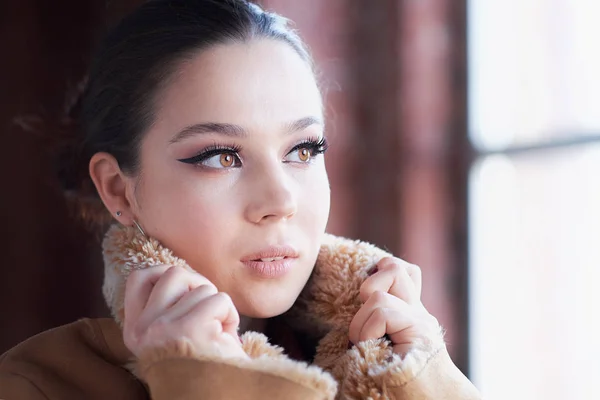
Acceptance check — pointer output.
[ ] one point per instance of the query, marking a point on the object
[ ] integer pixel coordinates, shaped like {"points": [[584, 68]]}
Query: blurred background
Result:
{"points": [[465, 138]]}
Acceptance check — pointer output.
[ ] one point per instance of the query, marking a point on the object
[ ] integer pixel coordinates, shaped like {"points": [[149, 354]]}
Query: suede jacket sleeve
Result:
{"points": [[88, 360], [440, 379], [371, 370], [207, 379], [16, 386], [176, 372]]}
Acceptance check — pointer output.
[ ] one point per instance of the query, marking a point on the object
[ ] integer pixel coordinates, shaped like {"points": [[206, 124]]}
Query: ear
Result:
{"points": [[113, 186]]}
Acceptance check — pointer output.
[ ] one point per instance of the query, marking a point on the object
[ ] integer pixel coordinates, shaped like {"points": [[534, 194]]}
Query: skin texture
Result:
{"points": [[213, 217], [216, 213]]}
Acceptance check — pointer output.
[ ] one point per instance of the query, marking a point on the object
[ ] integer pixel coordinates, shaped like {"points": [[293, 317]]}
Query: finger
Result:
{"points": [[384, 321], [138, 287], [171, 286], [391, 277], [378, 299], [413, 271], [189, 301], [218, 307]]}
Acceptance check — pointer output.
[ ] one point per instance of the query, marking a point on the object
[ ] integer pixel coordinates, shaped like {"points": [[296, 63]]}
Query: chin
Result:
{"points": [[268, 307], [260, 298]]}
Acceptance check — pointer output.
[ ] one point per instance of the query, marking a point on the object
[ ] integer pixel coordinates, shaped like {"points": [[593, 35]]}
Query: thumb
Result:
{"points": [[232, 323], [230, 318]]}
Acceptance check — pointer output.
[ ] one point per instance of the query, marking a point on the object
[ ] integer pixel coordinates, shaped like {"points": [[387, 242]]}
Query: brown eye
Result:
{"points": [[226, 160], [304, 154], [216, 158]]}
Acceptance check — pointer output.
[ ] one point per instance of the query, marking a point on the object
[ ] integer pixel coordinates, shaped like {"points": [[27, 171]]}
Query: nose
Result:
{"points": [[271, 195]]}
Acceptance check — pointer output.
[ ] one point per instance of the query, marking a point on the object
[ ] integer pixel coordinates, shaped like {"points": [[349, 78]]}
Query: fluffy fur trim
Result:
{"points": [[371, 369], [330, 299], [325, 309], [125, 250]]}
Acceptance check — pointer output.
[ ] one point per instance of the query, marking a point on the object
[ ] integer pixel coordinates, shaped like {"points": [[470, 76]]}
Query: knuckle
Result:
{"points": [[379, 315], [377, 296], [386, 261], [433, 321], [174, 274], [208, 290], [224, 297], [414, 268], [392, 260], [393, 264], [176, 270], [397, 266], [135, 275], [366, 287]]}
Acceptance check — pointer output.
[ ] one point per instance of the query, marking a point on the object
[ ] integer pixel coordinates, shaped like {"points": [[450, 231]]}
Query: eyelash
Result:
{"points": [[212, 151], [315, 145]]}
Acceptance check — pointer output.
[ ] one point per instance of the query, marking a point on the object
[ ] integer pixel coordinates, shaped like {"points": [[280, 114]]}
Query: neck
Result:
{"points": [[252, 324]]}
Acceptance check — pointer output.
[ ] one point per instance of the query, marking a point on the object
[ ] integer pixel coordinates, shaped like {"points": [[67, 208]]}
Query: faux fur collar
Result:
{"points": [[326, 306]]}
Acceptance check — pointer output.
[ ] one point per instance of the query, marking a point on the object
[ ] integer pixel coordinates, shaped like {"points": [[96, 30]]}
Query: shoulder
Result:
{"points": [[71, 361], [75, 341]]}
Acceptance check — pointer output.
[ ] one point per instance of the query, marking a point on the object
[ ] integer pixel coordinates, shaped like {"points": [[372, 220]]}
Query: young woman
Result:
{"points": [[204, 140]]}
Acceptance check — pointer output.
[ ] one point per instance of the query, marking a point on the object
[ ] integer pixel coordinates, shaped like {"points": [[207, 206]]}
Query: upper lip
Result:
{"points": [[271, 252]]}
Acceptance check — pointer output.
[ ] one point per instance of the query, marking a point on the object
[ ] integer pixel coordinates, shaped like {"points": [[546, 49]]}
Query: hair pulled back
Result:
{"points": [[134, 62]]}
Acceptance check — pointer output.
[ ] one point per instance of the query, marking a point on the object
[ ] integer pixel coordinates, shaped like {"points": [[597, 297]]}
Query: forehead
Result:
{"points": [[252, 83]]}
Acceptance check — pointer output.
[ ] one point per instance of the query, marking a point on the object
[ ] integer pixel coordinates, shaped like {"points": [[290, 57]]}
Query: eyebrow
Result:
{"points": [[236, 130]]}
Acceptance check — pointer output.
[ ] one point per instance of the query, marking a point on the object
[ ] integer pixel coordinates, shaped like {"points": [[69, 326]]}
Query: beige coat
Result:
{"points": [[88, 360]]}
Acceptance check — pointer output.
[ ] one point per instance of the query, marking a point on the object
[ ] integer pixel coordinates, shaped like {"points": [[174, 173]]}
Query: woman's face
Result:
{"points": [[232, 175]]}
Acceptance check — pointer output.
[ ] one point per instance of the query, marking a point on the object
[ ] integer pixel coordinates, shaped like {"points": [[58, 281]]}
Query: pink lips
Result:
{"points": [[271, 262]]}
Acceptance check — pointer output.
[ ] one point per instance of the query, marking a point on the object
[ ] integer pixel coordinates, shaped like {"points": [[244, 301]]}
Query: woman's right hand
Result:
{"points": [[165, 304]]}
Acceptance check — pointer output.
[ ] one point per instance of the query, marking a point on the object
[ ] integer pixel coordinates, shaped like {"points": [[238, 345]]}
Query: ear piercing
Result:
{"points": [[139, 228], [119, 213]]}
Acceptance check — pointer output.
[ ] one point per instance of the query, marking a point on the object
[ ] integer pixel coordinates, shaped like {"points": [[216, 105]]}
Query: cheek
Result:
{"points": [[314, 198], [183, 212]]}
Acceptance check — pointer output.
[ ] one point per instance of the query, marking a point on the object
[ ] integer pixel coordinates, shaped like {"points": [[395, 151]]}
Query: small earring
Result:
{"points": [[119, 213], [139, 228]]}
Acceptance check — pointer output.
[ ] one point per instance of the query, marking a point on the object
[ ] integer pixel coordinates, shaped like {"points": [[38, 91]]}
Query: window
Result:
{"points": [[534, 199]]}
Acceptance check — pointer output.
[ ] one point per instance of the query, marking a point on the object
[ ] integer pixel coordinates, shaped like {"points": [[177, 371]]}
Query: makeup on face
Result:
{"points": [[218, 156], [271, 262]]}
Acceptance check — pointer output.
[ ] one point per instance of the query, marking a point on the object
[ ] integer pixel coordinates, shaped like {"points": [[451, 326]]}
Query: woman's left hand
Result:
{"points": [[392, 306]]}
